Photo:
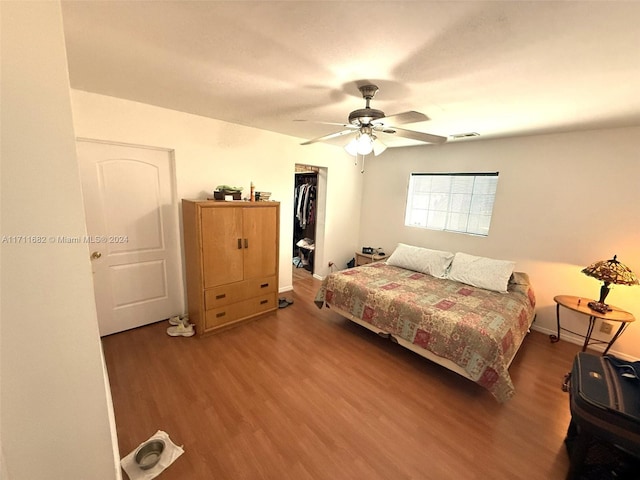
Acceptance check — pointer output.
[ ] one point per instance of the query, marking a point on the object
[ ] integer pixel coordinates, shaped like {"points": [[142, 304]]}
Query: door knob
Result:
{"points": [[95, 255]]}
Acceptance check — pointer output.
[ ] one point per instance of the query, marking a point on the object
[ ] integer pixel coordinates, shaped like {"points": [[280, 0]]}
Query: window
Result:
{"points": [[453, 202]]}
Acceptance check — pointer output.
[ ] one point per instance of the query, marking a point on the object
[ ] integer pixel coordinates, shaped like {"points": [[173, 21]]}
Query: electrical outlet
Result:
{"points": [[606, 327]]}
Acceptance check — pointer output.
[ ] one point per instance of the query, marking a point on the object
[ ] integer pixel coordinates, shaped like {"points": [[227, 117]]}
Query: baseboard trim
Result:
{"points": [[568, 337]]}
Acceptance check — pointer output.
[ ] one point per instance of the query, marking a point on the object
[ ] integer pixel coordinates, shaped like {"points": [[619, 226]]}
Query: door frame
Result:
{"points": [[321, 212], [175, 207]]}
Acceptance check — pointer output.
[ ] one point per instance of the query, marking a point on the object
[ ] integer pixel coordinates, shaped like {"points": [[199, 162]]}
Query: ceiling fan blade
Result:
{"points": [[345, 125], [421, 137], [328, 137], [401, 118]]}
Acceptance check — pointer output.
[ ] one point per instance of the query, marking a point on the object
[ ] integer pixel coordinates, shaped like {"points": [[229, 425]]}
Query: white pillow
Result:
{"points": [[424, 260], [481, 272]]}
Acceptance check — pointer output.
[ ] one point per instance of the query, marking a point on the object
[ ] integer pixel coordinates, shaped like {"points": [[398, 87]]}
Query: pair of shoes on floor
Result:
{"points": [[180, 326], [283, 302]]}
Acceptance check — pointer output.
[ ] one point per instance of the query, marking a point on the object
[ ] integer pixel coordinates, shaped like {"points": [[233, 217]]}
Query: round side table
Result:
{"points": [[580, 305]]}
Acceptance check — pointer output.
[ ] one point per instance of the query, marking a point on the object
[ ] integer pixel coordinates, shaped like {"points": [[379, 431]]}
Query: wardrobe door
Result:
{"points": [[261, 235], [222, 245]]}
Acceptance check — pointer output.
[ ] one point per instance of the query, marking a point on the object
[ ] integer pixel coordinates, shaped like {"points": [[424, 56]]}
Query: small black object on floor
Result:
{"points": [[283, 302]]}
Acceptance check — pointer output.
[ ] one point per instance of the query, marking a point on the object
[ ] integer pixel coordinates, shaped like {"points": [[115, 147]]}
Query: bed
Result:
{"points": [[471, 330]]}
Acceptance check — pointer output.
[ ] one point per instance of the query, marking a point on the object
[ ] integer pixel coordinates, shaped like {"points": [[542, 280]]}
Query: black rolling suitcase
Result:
{"points": [[604, 398]]}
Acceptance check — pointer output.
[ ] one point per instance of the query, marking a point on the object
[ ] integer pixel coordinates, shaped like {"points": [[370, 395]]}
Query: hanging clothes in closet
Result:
{"points": [[305, 204], [305, 195]]}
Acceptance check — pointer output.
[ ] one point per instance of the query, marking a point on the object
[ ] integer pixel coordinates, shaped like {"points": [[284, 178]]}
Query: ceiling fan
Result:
{"points": [[367, 123]]}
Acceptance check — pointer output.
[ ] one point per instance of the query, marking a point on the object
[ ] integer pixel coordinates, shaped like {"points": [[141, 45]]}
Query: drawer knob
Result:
{"points": [[222, 295], [221, 314]]}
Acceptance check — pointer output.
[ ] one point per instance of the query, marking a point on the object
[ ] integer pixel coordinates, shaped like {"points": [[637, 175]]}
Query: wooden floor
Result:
{"points": [[304, 394], [300, 273]]}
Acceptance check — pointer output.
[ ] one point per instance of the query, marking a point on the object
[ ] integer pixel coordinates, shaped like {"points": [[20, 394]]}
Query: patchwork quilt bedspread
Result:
{"points": [[479, 330]]}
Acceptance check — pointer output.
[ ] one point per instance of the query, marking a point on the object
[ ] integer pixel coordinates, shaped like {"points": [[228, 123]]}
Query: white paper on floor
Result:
{"points": [[168, 456]]}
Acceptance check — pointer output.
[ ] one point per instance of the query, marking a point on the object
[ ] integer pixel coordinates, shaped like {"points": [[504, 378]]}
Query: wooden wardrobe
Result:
{"points": [[231, 254]]}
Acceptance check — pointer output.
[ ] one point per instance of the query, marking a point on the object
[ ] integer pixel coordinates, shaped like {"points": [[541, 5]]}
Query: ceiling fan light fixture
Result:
{"points": [[362, 144], [365, 144], [352, 147]]}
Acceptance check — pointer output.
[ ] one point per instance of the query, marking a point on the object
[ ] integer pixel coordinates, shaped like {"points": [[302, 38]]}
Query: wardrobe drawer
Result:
{"points": [[223, 315], [219, 317], [261, 304], [260, 286], [224, 295]]}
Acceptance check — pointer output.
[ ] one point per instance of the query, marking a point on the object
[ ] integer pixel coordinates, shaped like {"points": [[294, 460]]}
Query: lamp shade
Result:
{"points": [[610, 271]]}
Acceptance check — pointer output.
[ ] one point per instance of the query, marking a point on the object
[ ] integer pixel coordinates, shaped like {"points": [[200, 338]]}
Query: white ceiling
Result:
{"points": [[495, 68]]}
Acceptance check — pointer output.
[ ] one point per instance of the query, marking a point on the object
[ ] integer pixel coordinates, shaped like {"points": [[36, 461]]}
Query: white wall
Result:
{"points": [[563, 202], [55, 402], [211, 152], [548, 215]]}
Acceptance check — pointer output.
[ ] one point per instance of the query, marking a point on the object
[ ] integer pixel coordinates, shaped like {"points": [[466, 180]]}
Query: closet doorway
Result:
{"points": [[308, 209]]}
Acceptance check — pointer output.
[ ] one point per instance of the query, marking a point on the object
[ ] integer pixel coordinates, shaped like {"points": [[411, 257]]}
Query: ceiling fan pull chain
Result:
{"points": [[363, 157]]}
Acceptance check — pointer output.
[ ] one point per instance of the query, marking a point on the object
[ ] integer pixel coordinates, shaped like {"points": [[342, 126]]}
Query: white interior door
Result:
{"points": [[132, 225]]}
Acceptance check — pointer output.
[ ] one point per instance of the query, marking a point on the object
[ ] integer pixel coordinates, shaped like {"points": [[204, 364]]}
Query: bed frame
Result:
{"points": [[406, 307], [445, 362]]}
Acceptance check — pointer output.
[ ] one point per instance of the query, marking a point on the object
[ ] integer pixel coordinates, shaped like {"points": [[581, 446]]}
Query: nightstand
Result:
{"points": [[580, 305], [364, 258]]}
